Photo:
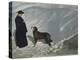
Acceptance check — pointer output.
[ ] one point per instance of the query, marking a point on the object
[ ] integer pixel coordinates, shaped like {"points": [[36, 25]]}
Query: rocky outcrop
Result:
{"points": [[71, 43]]}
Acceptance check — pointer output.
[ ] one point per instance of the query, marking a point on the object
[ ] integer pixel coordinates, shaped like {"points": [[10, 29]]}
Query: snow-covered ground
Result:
{"points": [[43, 50]]}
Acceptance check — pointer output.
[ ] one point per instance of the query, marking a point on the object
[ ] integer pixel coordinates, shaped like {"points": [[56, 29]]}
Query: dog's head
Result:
{"points": [[34, 28]]}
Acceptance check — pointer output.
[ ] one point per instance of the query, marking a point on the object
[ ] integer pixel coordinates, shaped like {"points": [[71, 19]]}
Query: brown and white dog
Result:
{"points": [[41, 36]]}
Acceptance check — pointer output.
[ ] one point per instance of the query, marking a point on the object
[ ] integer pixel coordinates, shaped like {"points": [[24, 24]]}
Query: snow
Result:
{"points": [[41, 49]]}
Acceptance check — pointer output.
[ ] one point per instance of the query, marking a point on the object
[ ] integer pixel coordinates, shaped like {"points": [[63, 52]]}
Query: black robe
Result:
{"points": [[20, 34]]}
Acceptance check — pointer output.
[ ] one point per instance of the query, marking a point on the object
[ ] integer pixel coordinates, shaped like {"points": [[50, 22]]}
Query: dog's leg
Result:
{"points": [[48, 41], [35, 42], [49, 44]]}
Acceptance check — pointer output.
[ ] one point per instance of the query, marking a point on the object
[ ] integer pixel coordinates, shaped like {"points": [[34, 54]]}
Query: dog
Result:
{"points": [[41, 36]]}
